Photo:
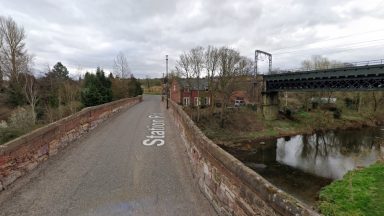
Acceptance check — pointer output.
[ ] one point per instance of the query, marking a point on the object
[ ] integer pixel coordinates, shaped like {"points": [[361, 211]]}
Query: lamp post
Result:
{"points": [[167, 85]]}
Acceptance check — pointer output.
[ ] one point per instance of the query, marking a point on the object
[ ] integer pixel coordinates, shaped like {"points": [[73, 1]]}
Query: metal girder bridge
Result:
{"points": [[352, 78]]}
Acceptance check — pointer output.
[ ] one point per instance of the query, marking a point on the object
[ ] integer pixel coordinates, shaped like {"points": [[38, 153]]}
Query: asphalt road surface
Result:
{"points": [[111, 172]]}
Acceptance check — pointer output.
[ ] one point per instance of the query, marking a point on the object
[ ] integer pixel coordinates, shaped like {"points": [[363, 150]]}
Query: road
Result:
{"points": [[111, 172]]}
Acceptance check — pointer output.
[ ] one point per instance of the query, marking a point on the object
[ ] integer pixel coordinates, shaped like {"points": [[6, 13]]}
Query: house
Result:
{"points": [[240, 95], [190, 92]]}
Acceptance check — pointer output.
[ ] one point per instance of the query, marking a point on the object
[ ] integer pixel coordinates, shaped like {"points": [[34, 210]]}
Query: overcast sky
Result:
{"points": [[85, 34]]}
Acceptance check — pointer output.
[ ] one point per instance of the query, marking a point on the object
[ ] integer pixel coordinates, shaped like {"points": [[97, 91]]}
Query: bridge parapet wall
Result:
{"points": [[23, 154], [230, 186]]}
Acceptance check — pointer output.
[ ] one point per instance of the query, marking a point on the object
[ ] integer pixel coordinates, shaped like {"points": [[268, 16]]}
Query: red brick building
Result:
{"points": [[190, 92]]}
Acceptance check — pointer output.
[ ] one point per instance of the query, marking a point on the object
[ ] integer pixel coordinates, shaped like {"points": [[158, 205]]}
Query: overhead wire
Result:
{"points": [[322, 48], [330, 39]]}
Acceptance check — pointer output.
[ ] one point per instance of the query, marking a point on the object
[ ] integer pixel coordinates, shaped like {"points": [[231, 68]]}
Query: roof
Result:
{"points": [[193, 84]]}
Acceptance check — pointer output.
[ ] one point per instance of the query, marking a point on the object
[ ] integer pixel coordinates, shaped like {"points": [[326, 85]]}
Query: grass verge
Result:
{"points": [[360, 192]]}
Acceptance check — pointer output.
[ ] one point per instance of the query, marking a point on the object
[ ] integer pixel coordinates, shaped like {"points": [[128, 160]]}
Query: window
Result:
{"points": [[174, 87], [197, 101], [207, 100], [186, 101]]}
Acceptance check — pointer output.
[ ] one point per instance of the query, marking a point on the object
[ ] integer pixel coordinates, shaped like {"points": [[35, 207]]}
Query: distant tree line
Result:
{"points": [[44, 99]]}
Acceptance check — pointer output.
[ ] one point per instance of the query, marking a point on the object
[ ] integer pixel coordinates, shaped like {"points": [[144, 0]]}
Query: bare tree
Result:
{"points": [[245, 66], [121, 66], [31, 89], [306, 65], [211, 65], [13, 53], [196, 56], [318, 62], [70, 93], [184, 68], [228, 71], [1, 71]]}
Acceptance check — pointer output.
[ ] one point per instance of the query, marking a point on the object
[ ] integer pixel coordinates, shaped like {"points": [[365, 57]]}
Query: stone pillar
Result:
{"points": [[259, 87], [270, 105]]}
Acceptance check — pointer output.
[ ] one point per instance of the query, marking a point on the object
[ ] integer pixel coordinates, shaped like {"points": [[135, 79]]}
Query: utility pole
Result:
{"points": [[163, 90], [258, 54], [167, 84]]}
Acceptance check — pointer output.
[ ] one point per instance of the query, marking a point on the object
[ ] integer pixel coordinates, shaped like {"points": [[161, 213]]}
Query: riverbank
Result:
{"points": [[244, 125], [360, 192]]}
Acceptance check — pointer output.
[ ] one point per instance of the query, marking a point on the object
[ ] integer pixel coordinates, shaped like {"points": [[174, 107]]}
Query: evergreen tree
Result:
{"points": [[59, 72], [97, 89], [52, 81], [15, 94], [135, 87], [110, 77]]}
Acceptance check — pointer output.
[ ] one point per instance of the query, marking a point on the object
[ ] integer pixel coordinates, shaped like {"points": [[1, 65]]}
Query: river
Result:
{"points": [[301, 165]]}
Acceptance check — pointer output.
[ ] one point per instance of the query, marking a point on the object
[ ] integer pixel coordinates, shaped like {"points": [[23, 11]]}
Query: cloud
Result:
{"points": [[86, 34]]}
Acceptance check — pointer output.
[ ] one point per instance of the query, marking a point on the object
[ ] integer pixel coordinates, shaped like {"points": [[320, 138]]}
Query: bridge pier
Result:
{"points": [[270, 105]]}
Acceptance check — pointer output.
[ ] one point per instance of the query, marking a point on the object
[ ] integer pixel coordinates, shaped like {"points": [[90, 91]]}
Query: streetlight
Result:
{"points": [[166, 77]]}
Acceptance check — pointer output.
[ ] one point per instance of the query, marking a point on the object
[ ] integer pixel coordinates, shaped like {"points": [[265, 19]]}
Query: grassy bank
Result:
{"points": [[246, 125], [360, 192]]}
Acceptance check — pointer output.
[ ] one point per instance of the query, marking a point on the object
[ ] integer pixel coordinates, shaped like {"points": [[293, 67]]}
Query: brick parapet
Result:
{"points": [[24, 153], [231, 187]]}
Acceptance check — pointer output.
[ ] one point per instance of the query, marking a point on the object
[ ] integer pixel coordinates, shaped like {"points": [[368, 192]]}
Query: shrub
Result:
{"points": [[3, 124], [15, 95], [21, 119], [337, 113], [20, 122], [350, 103], [7, 134], [288, 112], [252, 107]]}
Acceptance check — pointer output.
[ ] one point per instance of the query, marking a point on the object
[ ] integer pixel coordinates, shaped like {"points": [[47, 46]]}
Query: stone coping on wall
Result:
{"points": [[24, 153], [239, 190]]}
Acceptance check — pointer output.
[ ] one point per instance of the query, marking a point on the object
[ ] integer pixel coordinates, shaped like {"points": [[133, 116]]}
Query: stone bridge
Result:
{"points": [[131, 157]]}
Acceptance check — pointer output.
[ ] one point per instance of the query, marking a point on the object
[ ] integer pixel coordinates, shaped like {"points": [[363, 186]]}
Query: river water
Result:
{"points": [[301, 165]]}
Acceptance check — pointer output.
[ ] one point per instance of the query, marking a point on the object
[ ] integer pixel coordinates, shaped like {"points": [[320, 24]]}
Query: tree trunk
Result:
{"points": [[198, 103], [359, 105], [212, 103], [222, 116], [329, 97], [374, 102], [33, 113]]}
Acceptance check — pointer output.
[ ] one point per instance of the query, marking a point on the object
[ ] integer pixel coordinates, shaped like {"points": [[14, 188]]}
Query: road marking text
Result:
{"points": [[156, 130]]}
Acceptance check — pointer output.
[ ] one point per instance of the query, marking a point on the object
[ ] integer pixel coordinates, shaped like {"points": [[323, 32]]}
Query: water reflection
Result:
{"points": [[331, 154], [303, 164]]}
